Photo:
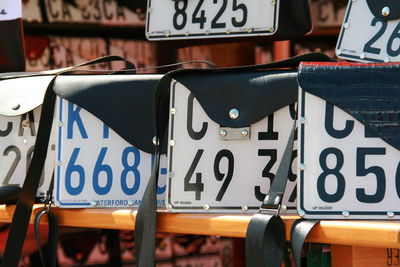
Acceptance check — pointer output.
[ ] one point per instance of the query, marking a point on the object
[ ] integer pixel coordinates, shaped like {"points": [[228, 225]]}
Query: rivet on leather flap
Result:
{"points": [[20, 95], [385, 9]]}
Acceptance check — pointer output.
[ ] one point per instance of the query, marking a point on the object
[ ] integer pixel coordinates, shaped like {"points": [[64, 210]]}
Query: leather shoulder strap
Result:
{"points": [[265, 237], [298, 234]]}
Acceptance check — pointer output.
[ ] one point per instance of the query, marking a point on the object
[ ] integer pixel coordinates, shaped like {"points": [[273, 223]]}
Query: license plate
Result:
{"points": [[30, 10], [105, 12], [95, 167], [328, 13], [69, 51], [10, 10], [365, 38], [17, 141], [188, 19], [344, 173], [207, 174]]}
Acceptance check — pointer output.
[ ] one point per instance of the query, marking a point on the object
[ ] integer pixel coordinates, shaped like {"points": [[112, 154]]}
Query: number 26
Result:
{"points": [[368, 48]]}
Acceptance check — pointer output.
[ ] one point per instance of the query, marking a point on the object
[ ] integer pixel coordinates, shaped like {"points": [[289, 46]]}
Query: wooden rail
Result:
{"points": [[356, 233]]}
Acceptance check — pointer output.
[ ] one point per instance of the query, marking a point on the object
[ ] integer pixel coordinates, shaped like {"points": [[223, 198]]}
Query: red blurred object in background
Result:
{"points": [[35, 46]]}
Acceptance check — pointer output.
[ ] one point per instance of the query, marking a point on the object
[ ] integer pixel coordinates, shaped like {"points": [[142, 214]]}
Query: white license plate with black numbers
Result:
{"points": [[365, 38], [17, 141], [105, 12], [187, 19], [344, 171], [207, 174], [95, 167]]}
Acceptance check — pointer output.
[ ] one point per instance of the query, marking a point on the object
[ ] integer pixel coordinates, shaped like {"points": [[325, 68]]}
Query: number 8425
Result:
{"points": [[199, 15]]}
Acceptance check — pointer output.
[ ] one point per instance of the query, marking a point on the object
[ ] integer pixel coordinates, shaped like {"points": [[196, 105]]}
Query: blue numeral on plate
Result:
{"points": [[98, 168], [71, 168], [130, 168]]}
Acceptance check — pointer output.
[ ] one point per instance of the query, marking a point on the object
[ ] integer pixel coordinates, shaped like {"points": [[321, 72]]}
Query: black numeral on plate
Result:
{"points": [[199, 19], [220, 176], [180, 16], [368, 46], [197, 186]]}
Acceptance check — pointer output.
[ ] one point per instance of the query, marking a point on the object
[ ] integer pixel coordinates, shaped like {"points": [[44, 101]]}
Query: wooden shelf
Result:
{"points": [[327, 31], [358, 233]]}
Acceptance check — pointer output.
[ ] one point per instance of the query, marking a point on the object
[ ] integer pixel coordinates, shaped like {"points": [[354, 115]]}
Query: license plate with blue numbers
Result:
{"points": [[207, 174], [191, 19], [365, 38], [95, 167], [344, 172], [17, 141]]}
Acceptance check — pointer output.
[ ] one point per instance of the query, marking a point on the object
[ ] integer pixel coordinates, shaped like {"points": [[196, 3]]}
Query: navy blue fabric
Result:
{"points": [[370, 93]]}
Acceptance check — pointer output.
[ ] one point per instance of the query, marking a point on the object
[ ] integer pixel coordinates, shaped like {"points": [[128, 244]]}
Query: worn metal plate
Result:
{"points": [[365, 38], [193, 19], [345, 173], [207, 174], [95, 167]]}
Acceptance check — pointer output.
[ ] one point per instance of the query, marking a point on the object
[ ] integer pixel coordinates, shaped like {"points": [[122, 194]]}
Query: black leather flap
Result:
{"points": [[254, 94], [20, 95], [368, 92], [376, 7], [123, 102]]}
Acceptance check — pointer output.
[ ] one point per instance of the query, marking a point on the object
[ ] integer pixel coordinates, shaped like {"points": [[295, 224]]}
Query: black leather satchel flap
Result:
{"points": [[254, 94], [368, 92], [20, 95], [385, 9], [123, 102]]}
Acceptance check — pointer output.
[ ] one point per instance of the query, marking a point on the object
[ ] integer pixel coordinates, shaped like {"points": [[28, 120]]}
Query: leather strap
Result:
{"points": [[13, 75], [146, 219], [298, 234], [145, 224], [52, 240], [265, 241], [265, 237], [26, 198]]}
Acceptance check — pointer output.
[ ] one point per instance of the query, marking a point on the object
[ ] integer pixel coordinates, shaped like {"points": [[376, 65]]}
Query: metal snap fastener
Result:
{"points": [[16, 107], [25, 124], [234, 114], [155, 141], [385, 11], [223, 133]]}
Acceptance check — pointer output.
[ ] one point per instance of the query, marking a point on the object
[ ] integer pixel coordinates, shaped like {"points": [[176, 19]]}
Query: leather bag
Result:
{"points": [[133, 94], [357, 146], [256, 92]]}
